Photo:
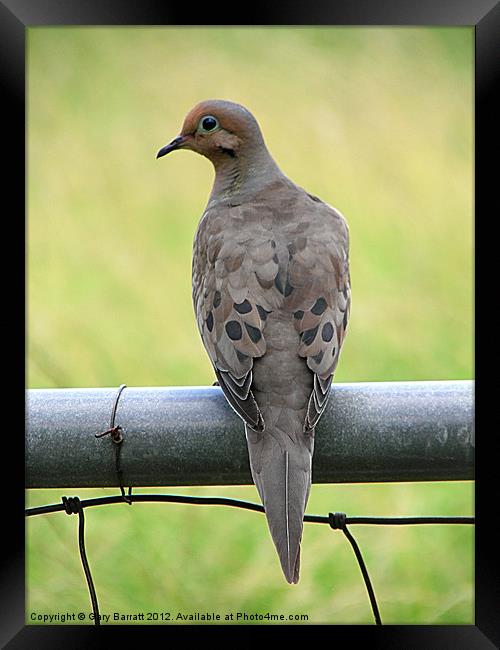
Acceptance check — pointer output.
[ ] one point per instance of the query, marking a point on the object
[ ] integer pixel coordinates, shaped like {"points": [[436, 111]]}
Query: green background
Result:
{"points": [[377, 122]]}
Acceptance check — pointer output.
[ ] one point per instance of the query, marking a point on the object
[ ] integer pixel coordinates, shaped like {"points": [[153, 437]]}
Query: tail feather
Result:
{"points": [[281, 470]]}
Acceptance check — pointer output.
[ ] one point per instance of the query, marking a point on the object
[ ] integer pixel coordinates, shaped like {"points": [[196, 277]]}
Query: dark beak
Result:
{"points": [[171, 146]]}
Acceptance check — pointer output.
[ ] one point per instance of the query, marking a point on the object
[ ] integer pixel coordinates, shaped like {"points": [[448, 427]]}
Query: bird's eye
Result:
{"points": [[208, 123]]}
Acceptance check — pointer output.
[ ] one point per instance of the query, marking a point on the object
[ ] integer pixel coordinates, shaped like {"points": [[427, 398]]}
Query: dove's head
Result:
{"points": [[218, 130]]}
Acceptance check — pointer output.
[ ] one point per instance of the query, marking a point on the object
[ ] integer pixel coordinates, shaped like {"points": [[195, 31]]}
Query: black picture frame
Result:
{"points": [[18, 15]]}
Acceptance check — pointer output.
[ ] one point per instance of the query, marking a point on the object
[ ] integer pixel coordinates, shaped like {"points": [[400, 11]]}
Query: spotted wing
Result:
{"points": [[319, 273], [234, 267]]}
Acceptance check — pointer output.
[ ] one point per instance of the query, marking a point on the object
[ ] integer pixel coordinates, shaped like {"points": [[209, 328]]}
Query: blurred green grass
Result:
{"points": [[376, 121]]}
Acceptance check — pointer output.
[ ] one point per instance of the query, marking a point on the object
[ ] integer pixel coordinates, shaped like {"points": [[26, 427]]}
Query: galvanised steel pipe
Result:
{"points": [[370, 432]]}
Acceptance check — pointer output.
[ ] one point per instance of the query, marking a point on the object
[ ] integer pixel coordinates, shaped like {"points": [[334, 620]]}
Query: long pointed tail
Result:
{"points": [[281, 470]]}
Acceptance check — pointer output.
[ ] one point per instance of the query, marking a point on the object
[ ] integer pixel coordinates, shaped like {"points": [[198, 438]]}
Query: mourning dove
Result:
{"points": [[271, 292]]}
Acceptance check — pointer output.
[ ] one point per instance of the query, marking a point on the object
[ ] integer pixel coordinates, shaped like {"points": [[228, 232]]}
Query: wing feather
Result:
{"points": [[233, 292]]}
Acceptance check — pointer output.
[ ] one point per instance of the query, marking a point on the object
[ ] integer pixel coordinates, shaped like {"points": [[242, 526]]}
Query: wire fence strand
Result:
{"points": [[73, 505], [336, 520]]}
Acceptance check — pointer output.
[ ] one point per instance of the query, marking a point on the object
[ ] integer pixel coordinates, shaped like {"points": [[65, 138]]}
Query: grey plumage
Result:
{"points": [[271, 292]]}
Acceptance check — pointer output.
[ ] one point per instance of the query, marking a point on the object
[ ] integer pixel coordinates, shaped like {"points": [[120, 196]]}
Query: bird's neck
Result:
{"points": [[241, 176]]}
